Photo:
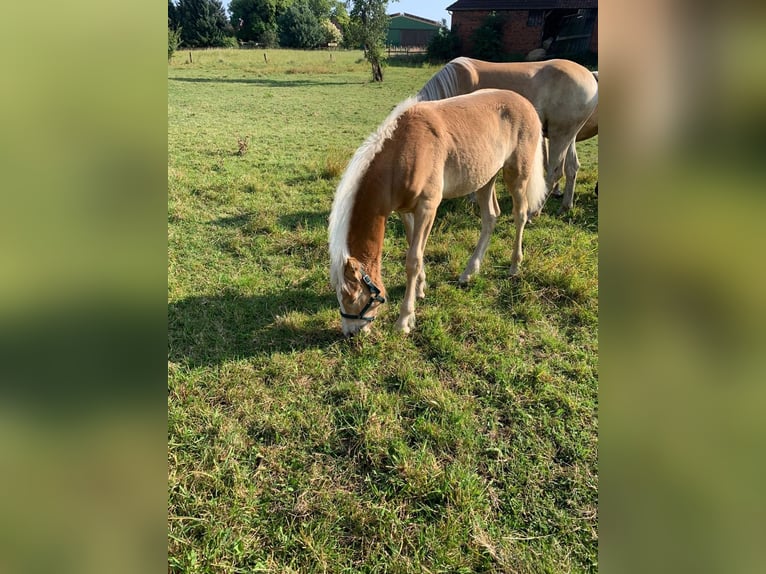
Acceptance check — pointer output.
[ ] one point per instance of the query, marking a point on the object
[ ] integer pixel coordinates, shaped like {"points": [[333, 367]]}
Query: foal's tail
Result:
{"points": [[536, 188]]}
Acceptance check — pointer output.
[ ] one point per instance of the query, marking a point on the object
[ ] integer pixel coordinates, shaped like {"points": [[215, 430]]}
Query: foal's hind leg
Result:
{"points": [[490, 210], [517, 184], [571, 167], [408, 219]]}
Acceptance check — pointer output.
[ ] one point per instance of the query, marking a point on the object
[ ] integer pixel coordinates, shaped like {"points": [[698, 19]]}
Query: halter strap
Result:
{"points": [[375, 297]]}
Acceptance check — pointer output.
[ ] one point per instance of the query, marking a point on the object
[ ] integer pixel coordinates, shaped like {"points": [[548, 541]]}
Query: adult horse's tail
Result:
{"points": [[445, 83], [537, 190]]}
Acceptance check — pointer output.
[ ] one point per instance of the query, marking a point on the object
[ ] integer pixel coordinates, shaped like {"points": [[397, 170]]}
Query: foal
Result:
{"points": [[423, 153]]}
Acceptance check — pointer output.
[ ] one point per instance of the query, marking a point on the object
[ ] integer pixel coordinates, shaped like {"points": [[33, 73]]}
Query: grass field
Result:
{"points": [[468, 446]]}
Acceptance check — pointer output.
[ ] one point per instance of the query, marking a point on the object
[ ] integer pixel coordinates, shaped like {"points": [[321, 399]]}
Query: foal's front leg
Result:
{"points": [[490, 210], [408, 219], [422, 221]]}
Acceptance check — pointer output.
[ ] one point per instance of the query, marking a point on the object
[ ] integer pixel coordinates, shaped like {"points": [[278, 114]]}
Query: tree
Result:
{"points": [[299, 27], [488, 39], [339, 16], [444, 45], [174, 32], [172, 15], [256, 20], [174, 40], [368, 27], [203, 23], [321, 8]]}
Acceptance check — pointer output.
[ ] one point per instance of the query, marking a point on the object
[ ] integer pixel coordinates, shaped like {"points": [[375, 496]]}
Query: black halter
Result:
{"points": [[375, 296]]}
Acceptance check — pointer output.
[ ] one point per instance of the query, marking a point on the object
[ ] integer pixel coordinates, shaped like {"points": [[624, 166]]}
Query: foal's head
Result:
{"points": [[359, 297]]}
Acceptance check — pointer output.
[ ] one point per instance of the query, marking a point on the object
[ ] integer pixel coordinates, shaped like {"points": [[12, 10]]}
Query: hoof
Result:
{"points": [[406, 325]]}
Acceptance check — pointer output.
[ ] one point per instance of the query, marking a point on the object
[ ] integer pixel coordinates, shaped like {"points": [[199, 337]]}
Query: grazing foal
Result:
{"points": [[423, 153]]}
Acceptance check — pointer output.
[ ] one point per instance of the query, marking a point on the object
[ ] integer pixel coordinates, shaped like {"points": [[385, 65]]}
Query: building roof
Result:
{"points": [[418, 18], [470, 5]]}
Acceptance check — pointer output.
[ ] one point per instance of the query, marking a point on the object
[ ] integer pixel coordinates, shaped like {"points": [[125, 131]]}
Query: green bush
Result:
{"points": [[444, 46], [269, 38], [331, 32], [174, 40], [230, 42]]}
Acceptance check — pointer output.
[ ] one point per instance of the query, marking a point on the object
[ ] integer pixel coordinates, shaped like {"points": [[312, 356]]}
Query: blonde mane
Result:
{"points": [[343, 203], [444, 84]]}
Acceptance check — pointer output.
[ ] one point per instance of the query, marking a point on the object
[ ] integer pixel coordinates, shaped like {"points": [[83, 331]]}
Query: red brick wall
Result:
{"points": [[466, 24], [518, 38]]}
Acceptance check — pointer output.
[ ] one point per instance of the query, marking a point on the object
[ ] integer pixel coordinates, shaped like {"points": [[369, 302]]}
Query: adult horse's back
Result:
{"points": [[564, 93]]}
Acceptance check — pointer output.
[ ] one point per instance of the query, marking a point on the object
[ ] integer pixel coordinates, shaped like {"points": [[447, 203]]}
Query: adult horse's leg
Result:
{"points": [[571, 167], [408, 219], [555, 191], [423, 220], [557, 147], [490, 210]]}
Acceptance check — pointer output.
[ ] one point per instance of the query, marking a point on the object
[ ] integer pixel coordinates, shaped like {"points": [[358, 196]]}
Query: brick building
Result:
{"points": [[566, 28]]}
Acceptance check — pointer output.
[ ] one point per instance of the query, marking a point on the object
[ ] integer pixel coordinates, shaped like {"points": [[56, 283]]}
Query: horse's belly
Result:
{"points": [[460, 182]]}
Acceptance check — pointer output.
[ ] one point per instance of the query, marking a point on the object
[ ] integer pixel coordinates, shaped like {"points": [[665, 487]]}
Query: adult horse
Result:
{"points": [[564, 93], [423, 153]]}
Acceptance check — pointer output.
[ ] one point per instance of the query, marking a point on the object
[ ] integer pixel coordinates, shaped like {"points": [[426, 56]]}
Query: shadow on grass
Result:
{"points": [[305, 219], [209, 330], [267, 82], [234, 220], [584, 214], [413, 60]]}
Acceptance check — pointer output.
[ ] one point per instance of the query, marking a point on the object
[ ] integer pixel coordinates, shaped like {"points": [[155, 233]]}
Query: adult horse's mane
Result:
{"points": [[444, 84], [564, 94], [343, 204]]}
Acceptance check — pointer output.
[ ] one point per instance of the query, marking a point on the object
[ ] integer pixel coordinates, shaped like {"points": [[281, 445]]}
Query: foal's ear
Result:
{"points": [[352, 277]]}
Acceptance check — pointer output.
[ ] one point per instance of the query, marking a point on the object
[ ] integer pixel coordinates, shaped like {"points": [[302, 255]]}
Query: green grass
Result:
{"points": [[468, 446]]}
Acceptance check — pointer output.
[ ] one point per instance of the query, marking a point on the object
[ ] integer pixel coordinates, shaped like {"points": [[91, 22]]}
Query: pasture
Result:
{"points": [[469, 445]]}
